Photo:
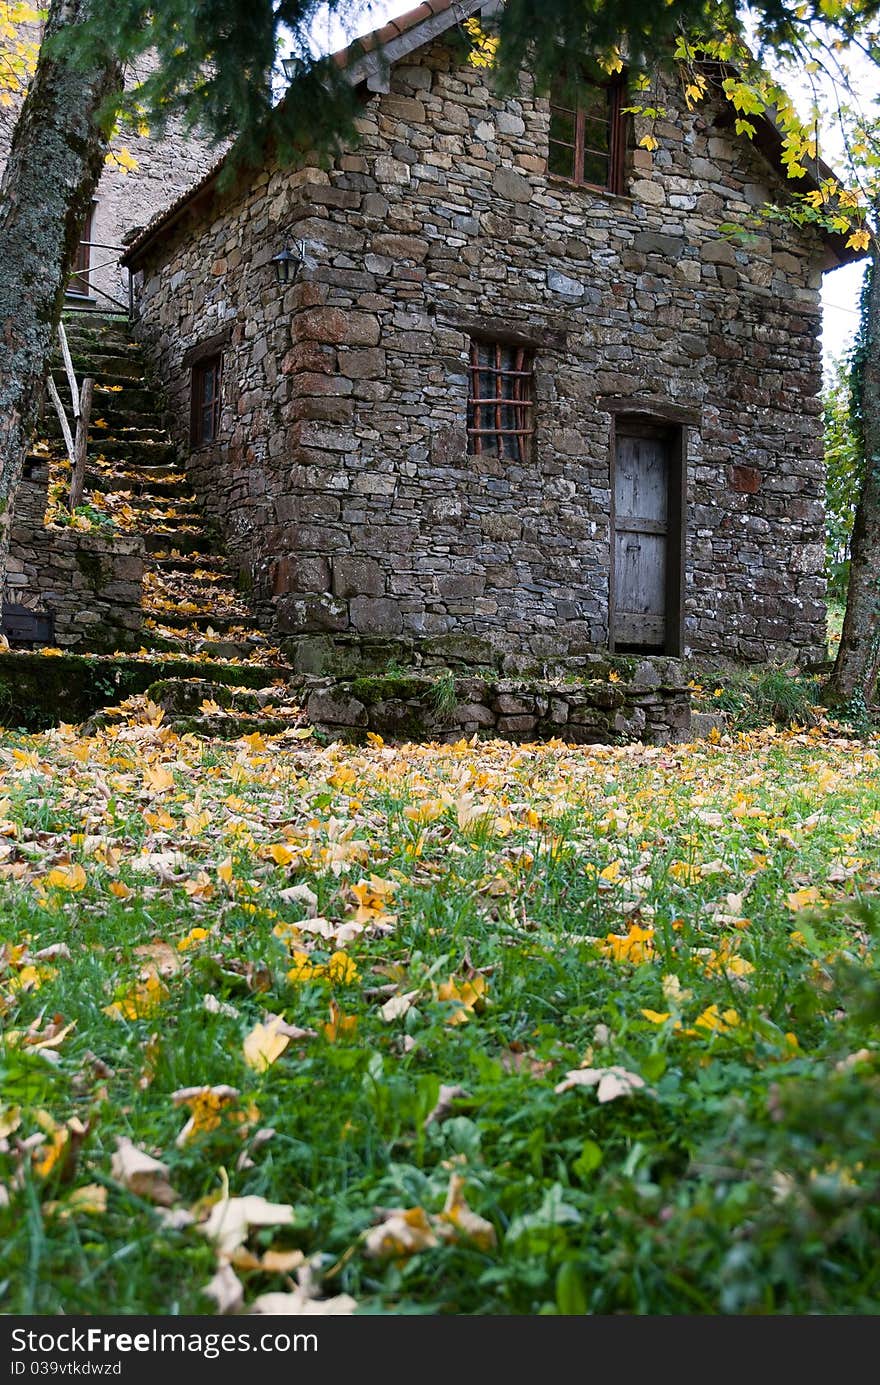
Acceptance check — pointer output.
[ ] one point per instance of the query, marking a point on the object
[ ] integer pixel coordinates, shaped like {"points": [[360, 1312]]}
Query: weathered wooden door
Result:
{"points": [[647, 526]]}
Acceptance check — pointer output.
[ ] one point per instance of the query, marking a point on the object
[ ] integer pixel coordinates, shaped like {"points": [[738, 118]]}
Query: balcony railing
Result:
{"points": [[90, 290]]}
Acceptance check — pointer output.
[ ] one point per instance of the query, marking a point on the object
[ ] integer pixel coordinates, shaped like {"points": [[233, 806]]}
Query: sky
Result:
{"points": [[840, 289]]}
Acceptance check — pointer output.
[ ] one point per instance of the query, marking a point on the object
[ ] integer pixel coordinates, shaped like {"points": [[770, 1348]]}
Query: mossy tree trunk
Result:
{"points": [[855, 670], [55, 160]]}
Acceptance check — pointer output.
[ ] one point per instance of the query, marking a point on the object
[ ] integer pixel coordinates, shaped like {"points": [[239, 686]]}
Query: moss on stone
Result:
{"points": [[91, 567], [384, 687]]}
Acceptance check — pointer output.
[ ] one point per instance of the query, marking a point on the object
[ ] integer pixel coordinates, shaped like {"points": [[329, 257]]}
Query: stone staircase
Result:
{"points": [[134, 479]]}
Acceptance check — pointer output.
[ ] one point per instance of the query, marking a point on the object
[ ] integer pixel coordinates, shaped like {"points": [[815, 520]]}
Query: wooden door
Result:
{"points": [[647, 527]]}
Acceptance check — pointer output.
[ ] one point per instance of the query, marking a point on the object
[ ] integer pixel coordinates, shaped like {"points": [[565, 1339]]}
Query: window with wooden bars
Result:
{"points": [[205, 402], [588, 133], [501, 406]]}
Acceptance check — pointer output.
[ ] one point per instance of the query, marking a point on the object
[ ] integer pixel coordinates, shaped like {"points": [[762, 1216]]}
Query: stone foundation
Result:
{"points": [[91, 582], [648, 701]]}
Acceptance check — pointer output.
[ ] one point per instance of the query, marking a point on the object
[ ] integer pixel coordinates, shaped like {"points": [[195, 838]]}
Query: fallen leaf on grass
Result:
{"points": [[231, 1219], [299, 1304], [397, 1006], [406, 1231], [159, 956], [462, 1217], [226, 1289], [90, 1200], [141, 1174], [73, 879], [141, 1000], [470, 996], [443, 1109], [609, 1082], [207, 1105], [265, 1043], [402, 1232]]}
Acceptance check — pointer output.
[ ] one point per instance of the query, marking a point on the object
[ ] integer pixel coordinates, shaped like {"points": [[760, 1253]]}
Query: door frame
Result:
{"points": [[672, 425]]}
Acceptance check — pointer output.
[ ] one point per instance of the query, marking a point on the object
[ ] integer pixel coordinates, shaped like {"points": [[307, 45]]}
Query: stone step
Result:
{"points": [[162, 454], [254, 650], [159, 540], [99, 363], [216, 620], [185, 563], [99, 437], [142, 488], [133, 398]]}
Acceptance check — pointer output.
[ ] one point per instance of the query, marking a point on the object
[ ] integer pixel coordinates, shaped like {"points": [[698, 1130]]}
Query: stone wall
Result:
{"points": [[650, 703], [90, 581], [341, 477]]}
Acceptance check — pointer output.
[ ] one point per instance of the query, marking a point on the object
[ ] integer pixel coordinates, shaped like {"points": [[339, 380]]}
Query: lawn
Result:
{"points": [[478, 1028]]}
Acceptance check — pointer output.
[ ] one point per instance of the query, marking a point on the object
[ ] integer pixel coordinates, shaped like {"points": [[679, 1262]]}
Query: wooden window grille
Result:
{"points": [[205, 397], [501, 408], [588, 134]]}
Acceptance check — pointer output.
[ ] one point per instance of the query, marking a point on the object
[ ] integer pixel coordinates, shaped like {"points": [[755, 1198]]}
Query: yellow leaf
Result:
{"points": [[73, 878], [657, 1016], [192, 938], [859, 240], [651, 143], [158, 779], [121, 891], [456, 1211], [225, 871], [280, 854], [341, 968], [802, 899], [265, 1044]]}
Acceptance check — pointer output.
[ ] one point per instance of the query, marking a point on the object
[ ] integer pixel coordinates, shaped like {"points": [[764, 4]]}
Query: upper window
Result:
{"points": [[500, 419], [205, 415], [588, 133]]}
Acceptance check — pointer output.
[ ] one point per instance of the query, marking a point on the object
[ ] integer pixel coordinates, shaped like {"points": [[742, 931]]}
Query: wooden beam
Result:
{"points": [[77, 480], [68, 366], [62, 416]]}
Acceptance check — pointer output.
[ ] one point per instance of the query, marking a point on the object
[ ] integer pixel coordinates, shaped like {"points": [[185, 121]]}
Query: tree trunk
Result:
{"points": [[55, 162], [855, 670]]}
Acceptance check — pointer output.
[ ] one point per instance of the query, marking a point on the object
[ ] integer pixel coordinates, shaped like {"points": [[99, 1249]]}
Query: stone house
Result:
{"points": [[521, 391]]}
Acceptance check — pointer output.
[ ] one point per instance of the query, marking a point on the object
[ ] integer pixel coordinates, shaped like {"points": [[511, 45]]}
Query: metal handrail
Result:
{"points": [[90, 288]]}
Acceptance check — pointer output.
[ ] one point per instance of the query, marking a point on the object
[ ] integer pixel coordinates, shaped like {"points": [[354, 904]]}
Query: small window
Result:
{"points": [[501, 407], [205, 417], [588, 133], [78, 284]]}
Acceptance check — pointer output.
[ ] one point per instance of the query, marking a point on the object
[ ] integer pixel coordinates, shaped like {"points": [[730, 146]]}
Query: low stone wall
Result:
{"points": [[647, 701], [90, 581]]}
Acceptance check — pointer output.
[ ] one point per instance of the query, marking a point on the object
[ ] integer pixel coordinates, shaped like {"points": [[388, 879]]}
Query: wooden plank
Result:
{"points": [[642, 478], [68, 366], [80, 446], [62, 416]]}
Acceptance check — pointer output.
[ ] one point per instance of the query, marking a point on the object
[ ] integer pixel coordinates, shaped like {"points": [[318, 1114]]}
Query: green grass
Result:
{"points": [[563, 892]]}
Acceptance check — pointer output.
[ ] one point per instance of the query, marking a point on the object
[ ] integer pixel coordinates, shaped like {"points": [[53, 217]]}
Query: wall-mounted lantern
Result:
{"points": [[288, 263]]}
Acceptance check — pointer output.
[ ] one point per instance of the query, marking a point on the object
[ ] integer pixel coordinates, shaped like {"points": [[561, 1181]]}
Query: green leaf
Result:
{"points": [[571, 1292], [588, 1160]]}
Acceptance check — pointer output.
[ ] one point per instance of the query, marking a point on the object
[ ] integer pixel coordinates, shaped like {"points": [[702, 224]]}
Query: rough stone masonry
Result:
{"points": [[341, 474]]}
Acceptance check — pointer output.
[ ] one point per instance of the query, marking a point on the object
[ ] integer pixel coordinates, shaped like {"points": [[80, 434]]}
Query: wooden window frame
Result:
{"points": [[615, 89], [512, 443], [204, 427], [672, 426], [78, 285]]}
